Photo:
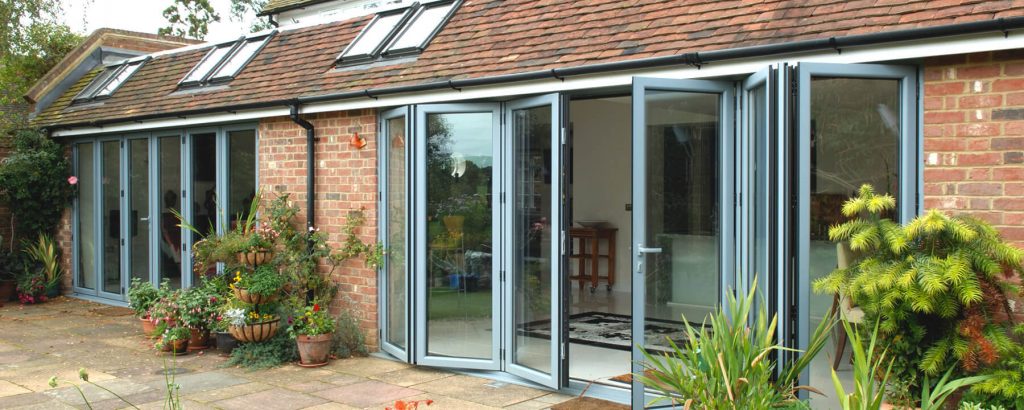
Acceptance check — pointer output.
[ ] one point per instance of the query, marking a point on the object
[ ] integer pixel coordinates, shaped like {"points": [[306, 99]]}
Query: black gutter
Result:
{"points": [[310, 163], [696, 59]]}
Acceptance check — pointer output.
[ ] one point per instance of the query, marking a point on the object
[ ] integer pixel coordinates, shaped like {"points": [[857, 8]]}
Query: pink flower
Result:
{"points": [[73, 180]]}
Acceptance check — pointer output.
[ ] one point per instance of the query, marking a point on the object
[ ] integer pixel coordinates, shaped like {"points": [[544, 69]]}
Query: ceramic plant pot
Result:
{"points": [[313, 350], [199, 339], [255, 258], [252, 298], [148, 327], [226, 342], [256, 332]]}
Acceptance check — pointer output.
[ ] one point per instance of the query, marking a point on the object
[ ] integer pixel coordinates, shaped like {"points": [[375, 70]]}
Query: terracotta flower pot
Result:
{"points": [[199, 339], [247, 297], [890, 406], [179, 346], [148, 327], [256, 332], [313, 350], [255, 258]]}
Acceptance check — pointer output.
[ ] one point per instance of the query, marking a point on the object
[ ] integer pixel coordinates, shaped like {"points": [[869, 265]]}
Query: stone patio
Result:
{"points": [[65, 334]]}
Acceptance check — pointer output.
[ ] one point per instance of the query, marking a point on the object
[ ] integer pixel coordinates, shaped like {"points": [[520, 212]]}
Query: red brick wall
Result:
{"points": [[974, 138], [346, 179]]}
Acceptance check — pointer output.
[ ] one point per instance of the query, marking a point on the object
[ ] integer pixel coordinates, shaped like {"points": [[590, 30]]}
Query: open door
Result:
{"points": [[682, 207], [458, 236], [534, 228]]}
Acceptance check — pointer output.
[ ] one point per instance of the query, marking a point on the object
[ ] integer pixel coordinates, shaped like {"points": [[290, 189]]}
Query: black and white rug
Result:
{"points": [[612, 331]]}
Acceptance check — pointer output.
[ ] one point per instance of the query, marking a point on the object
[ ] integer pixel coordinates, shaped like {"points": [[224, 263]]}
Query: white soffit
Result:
{"points": [[865, 54]]}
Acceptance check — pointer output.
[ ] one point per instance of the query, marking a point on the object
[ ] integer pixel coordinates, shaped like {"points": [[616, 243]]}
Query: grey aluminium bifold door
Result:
{"points": [[856, 124], [682, 255], [395, 301], [533, 232], [458, 236]]}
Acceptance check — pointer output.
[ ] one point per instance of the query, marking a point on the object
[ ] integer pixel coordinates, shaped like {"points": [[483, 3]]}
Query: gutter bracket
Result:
{"points": [[452, 86], [832, 42], [366, 92], [693, 59], [554, 73]]}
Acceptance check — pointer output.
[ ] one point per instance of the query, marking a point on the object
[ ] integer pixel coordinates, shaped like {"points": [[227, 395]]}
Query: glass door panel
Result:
{"points": [[755, 186], [395, 145], [169, 180], [534, 341], [110, 193], [88, 251], [681, 226], [138, 203], [855, 127], [203, 194], [241, 174], [458, 235]]}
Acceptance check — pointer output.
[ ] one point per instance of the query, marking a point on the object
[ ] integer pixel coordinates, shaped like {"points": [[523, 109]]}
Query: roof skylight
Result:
{"points": [[423, 26], [225, 61], [399, 32], [108, 81]]}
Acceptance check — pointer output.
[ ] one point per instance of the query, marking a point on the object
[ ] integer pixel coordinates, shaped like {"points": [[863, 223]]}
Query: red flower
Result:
{"points": [[316, 307]]}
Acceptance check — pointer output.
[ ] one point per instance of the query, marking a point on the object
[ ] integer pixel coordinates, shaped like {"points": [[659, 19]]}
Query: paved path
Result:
{"points": [[63, 335]]}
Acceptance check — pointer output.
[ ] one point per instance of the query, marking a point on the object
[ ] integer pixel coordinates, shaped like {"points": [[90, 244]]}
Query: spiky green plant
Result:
{"points": [[727, 364], [936, 287], [871, 368]]}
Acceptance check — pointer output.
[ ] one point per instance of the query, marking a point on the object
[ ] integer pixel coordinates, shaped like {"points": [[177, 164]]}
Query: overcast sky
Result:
{"points": [[85, 16]]}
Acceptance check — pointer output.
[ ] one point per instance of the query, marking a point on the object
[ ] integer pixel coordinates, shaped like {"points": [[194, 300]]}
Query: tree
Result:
{"points": [[31, 43], [192, 18]]}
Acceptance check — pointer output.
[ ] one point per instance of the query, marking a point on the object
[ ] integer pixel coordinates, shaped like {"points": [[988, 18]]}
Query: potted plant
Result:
{"points": [[177, 339], [253, 324], [224, 340], [46, 256], [257, 245], [141, 297], [198, 313], [258, 286], [312, 328], [167, 308]]}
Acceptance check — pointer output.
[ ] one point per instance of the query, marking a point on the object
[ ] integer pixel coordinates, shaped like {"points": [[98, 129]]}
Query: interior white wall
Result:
{"points": [[602, 173]]}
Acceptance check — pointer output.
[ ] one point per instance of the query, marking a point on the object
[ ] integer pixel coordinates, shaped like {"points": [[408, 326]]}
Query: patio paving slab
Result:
{"points": [[270, 399], [63, 335], [367, 393]]}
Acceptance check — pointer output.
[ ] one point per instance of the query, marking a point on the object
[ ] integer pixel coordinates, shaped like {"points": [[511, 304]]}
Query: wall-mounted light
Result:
{"points": [[357, 142]]}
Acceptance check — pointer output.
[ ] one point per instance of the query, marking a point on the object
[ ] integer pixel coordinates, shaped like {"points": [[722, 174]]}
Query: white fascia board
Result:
{"points": [[865, 54], [177, 122]]}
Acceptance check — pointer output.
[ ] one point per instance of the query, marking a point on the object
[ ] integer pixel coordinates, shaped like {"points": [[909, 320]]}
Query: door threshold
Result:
{"points": [[97, 299]]}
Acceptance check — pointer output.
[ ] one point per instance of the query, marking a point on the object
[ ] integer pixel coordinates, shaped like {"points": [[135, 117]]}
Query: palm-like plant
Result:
{"points": [[727, 364]]}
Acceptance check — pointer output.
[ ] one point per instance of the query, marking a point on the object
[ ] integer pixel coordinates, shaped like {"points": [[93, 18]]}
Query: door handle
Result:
{"points": [[144, 219], [640, 250]]}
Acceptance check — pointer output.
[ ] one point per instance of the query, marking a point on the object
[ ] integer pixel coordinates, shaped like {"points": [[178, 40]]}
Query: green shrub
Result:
{"points": [[34, 182], [142, 296], [274, 352]]}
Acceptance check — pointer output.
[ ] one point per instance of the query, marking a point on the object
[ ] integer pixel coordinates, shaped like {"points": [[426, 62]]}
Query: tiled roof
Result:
{"points": [[276, 6], [494, 37]]}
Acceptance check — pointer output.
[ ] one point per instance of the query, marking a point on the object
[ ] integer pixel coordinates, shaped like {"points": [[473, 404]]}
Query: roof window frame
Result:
{"points": [[100, 84], [213, 78], [183, 83], [406, 13], [390, 52]]}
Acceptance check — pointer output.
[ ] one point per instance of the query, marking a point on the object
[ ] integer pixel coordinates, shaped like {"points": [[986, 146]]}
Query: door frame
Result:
{"points": [[558, 348], [908, 156], [420, 272], [726, 180], [384, 218]]}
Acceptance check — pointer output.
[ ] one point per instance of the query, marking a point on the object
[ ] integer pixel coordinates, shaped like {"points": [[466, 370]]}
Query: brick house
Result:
{"points": [[553, 179]]}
